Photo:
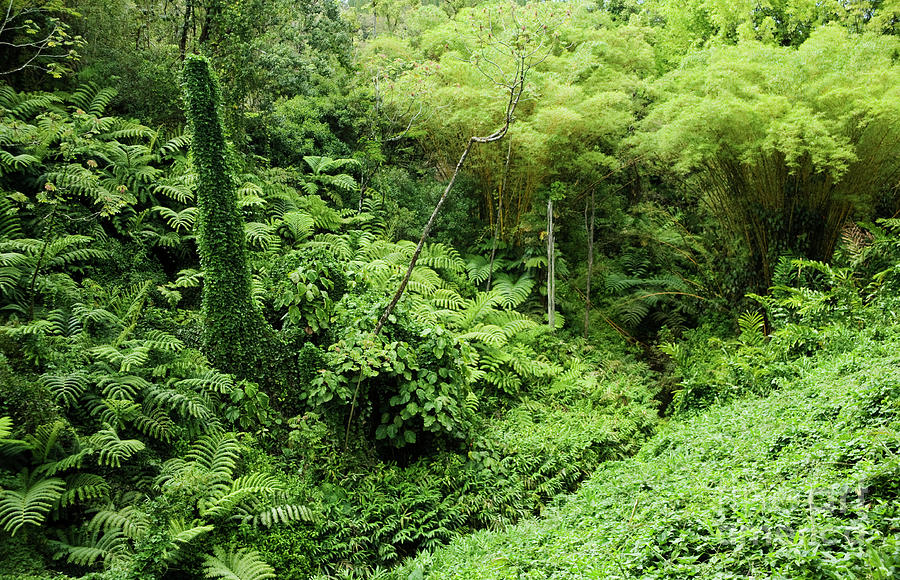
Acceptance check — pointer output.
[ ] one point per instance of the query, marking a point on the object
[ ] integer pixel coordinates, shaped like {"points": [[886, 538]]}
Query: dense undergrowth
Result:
{"points": [[127, 454], [792, 474]]}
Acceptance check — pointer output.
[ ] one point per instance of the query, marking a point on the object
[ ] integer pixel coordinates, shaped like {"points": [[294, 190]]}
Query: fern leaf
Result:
{"points": [[113, 450], [66, 389], [240, 565], [130, 521], [87, 548], [216, 453], [248, 486], [81, 487], [183, 533], [513, 292], [280, 514], [30, 502]]}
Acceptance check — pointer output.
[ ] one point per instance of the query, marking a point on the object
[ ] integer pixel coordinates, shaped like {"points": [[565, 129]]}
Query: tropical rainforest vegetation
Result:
{"points": [[449, 289]]}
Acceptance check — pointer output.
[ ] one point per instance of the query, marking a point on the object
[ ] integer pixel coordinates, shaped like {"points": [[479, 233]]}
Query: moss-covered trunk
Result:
{"points": [[236, 336]]}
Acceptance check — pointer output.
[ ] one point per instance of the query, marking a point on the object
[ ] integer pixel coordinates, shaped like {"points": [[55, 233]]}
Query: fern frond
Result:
{"points": [[86, 548], [81, 487], [155, 422], [220, 503], [5, 428], [162, 341], [122, 387], [299, 224], [45, 439], [447, 299], [324, 216], [66, 389], [178, 220], [130, 521], [752, 325], [113, 450], [513, 292], [188, 404], [280, 514], [183, 533], [487, 333], [217, 454], [212, 381], [189, 278], [240, 565], [30, 502]]}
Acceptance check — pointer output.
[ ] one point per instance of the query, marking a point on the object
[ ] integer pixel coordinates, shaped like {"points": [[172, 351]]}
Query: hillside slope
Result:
{"points": [[798, 484]]}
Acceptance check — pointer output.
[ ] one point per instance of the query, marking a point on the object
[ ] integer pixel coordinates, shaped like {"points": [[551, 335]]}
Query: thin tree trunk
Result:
{"points": [[182, 42], [551, 269], [497, 227], [589, 226], [515, 94]]}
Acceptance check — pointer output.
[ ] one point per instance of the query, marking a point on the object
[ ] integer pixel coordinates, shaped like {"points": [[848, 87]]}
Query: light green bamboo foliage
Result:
{"points": [[235, 332], [787, 145]]}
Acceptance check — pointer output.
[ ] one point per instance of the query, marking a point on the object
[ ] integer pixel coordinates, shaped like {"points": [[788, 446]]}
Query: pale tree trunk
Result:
{"points": [[515, 94], [551, 269], [589, 227], [498, 227]]}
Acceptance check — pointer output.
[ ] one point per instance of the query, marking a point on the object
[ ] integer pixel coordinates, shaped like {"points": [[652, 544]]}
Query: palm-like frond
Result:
{"points": [[112, 449], [240, 565], [512, 291], [30, 502], [178, 220]]}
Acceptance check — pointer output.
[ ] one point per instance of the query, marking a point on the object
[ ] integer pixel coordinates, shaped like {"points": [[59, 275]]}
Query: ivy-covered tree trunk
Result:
{"points": [[235, 334]]}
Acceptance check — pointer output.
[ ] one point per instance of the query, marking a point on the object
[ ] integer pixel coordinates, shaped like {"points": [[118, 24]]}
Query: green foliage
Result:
{"points": [[796, 484]]}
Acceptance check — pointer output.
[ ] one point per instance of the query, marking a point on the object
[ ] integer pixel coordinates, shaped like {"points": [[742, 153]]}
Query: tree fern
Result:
{"points": [[30, 502], [240, 565]]}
